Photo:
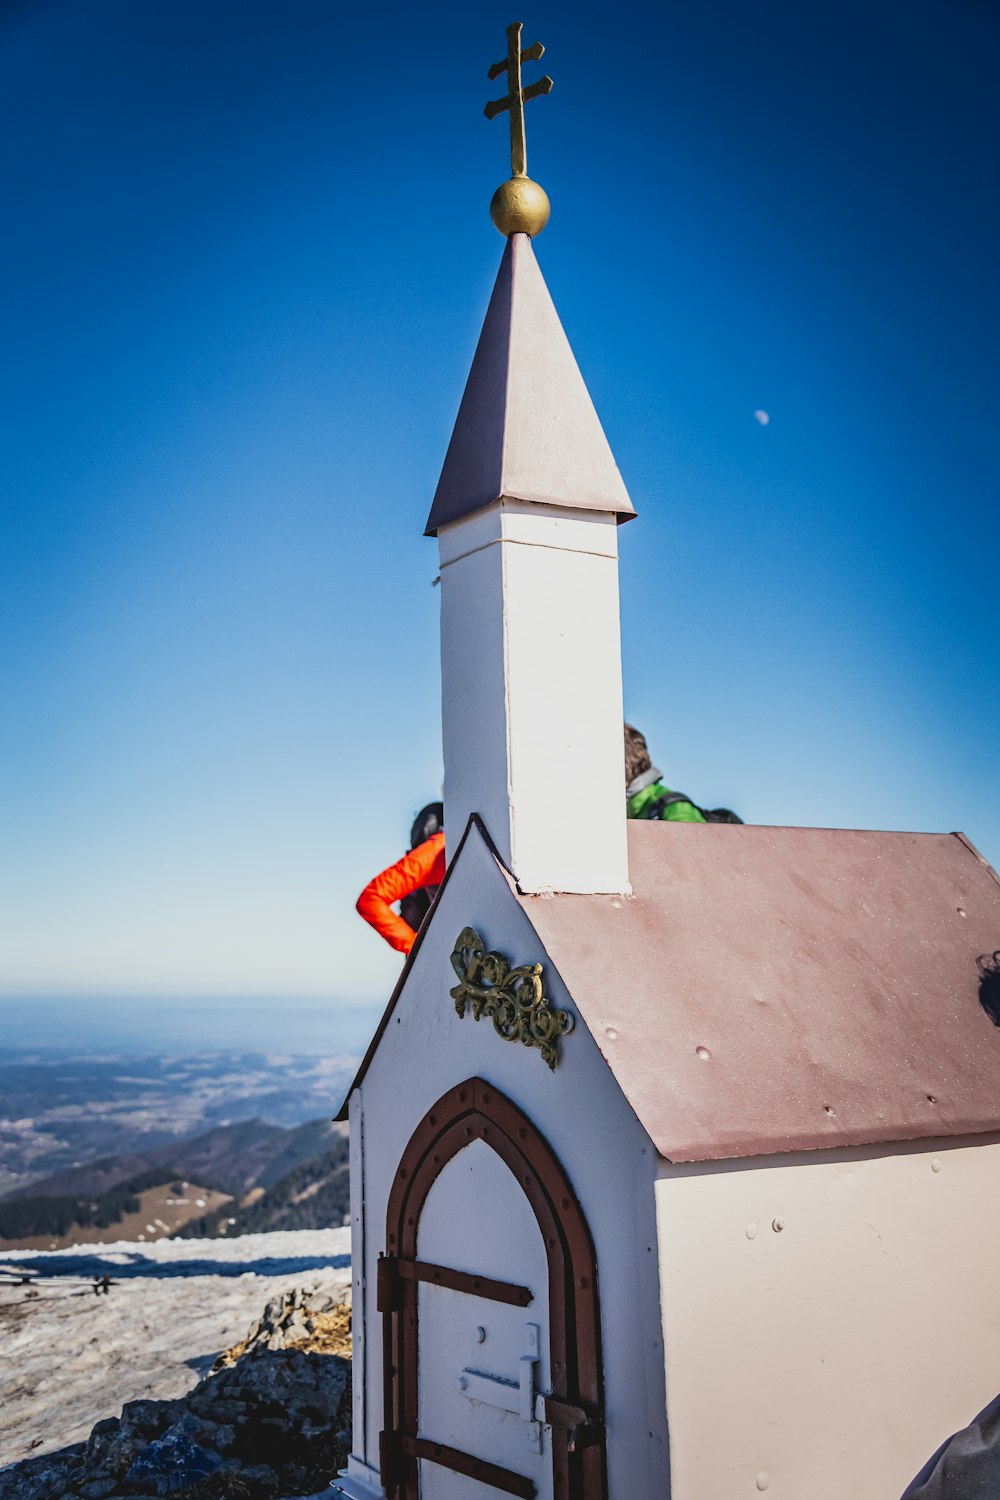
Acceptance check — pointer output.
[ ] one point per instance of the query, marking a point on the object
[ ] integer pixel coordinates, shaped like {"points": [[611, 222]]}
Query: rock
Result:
{"points": [[267, 1424], [121, 1451], [97, 1487], [211, 1434], [314, 1317], [174, 1464], [141, 1422], [263, 1482], [44, 1478], [100, 1439], [147, 1419], [217, 1407]]}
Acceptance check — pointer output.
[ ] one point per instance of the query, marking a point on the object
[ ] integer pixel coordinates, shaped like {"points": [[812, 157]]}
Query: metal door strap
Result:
{"points": [[393, 1269], [464, 1463]]}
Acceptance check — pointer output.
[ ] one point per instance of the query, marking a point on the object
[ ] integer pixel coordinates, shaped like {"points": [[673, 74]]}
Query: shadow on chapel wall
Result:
{"points": [[989, 984], [967, 1466]]}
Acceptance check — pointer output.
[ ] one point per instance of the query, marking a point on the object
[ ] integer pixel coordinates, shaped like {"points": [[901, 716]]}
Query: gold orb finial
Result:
{"points": [[519, 205]]}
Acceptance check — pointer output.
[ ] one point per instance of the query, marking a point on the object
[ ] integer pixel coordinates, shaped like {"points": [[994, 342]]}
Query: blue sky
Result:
{"points": [[246, 255]]}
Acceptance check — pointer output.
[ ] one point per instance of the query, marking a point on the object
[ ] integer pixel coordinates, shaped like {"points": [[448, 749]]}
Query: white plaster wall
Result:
{"points": [[361, 1480], [473, 693], [829, 1319], [580, 1110], [532, 691]]}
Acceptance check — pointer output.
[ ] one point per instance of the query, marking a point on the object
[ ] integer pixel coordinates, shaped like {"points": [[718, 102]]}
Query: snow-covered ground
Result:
{"points": [[69, 1358], [286, 1250]]}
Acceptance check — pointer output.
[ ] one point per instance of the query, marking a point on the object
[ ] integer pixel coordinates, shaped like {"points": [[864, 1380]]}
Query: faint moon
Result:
{"points": [[762, 417]]}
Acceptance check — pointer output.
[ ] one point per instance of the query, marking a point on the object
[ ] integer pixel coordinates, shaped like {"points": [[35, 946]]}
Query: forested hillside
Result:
{"points": [[291, 1168], [23, 1218], [315, 1195], [233, 1158]]}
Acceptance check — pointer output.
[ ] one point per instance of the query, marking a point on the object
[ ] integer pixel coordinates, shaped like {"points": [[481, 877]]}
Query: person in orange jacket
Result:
{"points": [[412, 881]]}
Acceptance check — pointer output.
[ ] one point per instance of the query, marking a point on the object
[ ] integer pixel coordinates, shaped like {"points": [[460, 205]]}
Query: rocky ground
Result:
{"points": [[172, 1383]]}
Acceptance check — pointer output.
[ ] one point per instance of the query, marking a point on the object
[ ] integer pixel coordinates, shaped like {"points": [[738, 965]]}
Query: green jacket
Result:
{"points": [[677, 812]]}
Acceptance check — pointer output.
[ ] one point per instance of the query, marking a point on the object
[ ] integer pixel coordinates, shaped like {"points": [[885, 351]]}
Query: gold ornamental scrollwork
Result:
{"points": [[512, 999]]}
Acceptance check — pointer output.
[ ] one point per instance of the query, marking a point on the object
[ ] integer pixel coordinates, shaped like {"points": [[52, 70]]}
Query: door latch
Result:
{"points": [[582, 1428], [518, 1397]]}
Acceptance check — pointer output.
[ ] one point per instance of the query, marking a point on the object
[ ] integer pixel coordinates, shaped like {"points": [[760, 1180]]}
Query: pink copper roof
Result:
{"points": [[526, 428], [830, 975], [778, 989]]}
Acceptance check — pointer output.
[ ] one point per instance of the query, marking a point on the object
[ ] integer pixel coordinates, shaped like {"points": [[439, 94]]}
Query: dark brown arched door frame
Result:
{"points": [[475, 1110]]}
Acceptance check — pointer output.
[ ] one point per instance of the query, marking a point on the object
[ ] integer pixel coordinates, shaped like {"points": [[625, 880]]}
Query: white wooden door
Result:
{"points": [[480, 1361], [491, 1341]]}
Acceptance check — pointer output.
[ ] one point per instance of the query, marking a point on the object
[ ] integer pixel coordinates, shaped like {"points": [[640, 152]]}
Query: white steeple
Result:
{"points": [[526, 515]]}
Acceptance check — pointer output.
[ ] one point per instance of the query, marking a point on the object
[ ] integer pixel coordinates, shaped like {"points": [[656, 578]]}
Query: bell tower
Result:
{"points": [[526, 515]]}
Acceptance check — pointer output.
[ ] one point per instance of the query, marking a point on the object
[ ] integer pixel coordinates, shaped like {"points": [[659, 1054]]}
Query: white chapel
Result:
{"points": [[675, 1158]]}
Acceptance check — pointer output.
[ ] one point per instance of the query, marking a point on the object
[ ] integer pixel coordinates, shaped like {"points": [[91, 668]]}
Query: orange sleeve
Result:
{"points": [[424, 865]]}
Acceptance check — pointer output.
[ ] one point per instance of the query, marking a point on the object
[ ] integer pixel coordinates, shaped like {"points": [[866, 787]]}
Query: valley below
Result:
{"points": [[174, 1250]]}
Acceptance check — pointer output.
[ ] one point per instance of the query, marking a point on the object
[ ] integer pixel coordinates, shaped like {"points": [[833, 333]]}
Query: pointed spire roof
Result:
{"points": [[526, 428]]}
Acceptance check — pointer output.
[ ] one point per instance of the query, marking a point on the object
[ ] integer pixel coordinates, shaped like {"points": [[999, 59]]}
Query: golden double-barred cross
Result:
{"points": [[517, 97]]}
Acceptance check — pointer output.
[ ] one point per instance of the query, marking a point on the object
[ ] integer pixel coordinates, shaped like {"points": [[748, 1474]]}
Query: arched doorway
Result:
{"points": [[491, 1320]]}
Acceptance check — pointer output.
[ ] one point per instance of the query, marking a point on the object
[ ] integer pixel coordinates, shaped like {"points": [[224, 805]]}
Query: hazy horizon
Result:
{"points": [[86, 1024]]}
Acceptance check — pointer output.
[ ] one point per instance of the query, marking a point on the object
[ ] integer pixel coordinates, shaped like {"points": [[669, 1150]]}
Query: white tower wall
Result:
{"points": [[532, 691]]}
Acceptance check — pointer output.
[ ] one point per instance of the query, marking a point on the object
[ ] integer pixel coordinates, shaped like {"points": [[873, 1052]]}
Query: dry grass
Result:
{"points": [[328, 1333], [331, 1333]]}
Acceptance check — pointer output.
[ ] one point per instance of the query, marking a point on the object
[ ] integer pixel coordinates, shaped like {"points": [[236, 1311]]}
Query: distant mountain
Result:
{"points": [[32, 1218], [91, 1181], [61, 1112], [233, 1159], [314, 1195]]}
